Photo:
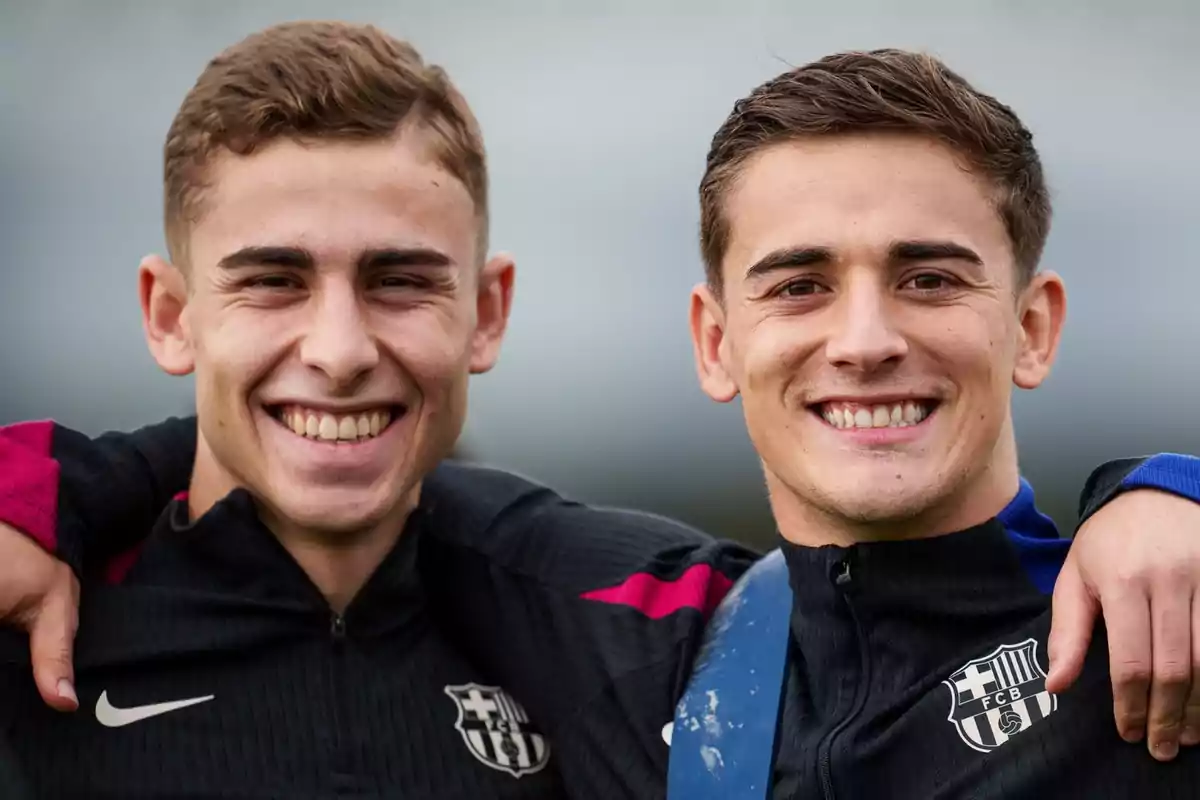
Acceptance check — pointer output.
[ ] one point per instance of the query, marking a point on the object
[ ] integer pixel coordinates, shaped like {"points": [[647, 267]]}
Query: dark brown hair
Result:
{"points": [[314, 80], [882, 90]]}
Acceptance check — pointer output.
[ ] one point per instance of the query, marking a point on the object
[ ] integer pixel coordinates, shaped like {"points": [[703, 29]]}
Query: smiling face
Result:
{"points": [[872, 321], [334, 309]]}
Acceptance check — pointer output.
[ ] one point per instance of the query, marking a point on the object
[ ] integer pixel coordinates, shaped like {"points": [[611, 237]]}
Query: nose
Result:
{"points": [[865, 338], [339, 341]]}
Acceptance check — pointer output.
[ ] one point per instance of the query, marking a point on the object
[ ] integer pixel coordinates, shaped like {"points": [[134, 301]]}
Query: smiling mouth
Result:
{"points": [[845, 415], [323, 426]]}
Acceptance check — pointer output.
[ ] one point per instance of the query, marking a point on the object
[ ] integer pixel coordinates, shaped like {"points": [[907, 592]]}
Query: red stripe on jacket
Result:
{"points": [[700, 587]]}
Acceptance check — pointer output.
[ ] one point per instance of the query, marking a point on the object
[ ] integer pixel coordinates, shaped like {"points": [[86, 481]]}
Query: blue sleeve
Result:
{"points": [[1168, 472]]}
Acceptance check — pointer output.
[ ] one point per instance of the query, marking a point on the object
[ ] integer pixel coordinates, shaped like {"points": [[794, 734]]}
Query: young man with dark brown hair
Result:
{"points": [[872, 230], [332, 296]]}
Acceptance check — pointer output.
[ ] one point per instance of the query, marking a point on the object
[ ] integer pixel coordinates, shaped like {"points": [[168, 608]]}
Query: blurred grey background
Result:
{"points": [[597, 118]]}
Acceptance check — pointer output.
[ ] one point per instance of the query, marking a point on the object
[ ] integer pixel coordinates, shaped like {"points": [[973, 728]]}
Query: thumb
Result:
{"points": [[51, 645], [1072, 618]]}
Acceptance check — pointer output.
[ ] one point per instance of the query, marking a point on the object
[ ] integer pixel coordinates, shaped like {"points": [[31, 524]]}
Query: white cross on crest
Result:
{"points": [[478, 705], [974, 681]]}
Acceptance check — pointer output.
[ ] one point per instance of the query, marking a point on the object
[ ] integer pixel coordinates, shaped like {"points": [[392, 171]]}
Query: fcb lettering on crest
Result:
{"points": [[497, 730], [994, 698]]}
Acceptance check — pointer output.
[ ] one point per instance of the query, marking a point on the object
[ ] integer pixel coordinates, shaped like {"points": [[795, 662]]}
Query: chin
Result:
{"points": [[876, 499], [876, 510], [334, 509]]}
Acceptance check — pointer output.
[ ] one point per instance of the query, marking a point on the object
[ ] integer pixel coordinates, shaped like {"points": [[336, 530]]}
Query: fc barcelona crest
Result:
{"points": [[497, 730], [994, 698]]}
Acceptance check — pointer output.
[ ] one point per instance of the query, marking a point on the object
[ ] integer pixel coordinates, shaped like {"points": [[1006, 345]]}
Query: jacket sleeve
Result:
{"points": [[1168, 472], [85, 499], [1087, 756]]}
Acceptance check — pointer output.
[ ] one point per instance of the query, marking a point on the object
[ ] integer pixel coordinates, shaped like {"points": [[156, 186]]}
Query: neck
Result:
{"points": [[338, 561], [970, 501]]}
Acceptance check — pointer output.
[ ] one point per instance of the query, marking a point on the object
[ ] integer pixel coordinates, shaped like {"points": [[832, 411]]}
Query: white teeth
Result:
{"points": [[332, 428], [894, 415]]}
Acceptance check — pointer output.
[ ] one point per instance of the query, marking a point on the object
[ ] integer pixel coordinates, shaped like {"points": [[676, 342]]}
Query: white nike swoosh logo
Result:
{"points": [[110, 716]]}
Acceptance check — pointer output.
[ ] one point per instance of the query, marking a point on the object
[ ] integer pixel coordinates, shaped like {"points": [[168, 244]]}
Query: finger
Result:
{"points": [[1072, 617], [1171, 625], [1191, 711], [51, 644], [1127, 618]]}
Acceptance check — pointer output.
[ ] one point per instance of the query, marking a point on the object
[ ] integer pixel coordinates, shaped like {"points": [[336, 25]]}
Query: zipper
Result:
{"points": [[843, 579], [337, 636]]}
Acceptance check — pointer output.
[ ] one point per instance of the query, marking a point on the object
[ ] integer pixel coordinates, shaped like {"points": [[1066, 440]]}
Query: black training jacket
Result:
{"points": [[515, 644], [917, 671], [588, 618]]}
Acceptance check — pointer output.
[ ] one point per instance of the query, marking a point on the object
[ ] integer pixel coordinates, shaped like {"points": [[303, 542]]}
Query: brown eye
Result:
{"points": [[398, 282], [928, 282], [273, 282], [800, 288]]}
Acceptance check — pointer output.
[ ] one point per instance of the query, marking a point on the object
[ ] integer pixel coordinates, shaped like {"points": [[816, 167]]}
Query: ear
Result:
{"points": [[1043, 309], [493, 304], [162, 290], [709, 345]]}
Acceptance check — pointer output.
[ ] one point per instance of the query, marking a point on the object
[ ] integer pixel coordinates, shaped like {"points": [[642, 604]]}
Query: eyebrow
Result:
{"points": [[789, 258], [299, 258], [898, 252], [403, 257], [259, 256], [921, 250]]}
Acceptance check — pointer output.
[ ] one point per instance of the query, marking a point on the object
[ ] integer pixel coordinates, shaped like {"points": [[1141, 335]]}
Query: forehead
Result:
{"points": [[334, 199], [859, 193]]}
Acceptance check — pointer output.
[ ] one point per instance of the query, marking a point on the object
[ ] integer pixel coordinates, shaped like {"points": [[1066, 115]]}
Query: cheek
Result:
{"points": [[434, 350], [238, 349], [979, 352], [235, 350], [433, 346], [769, 358]]}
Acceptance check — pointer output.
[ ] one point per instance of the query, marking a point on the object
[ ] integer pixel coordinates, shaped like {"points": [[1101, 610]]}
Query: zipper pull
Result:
{"points": [[337, 627], [843, 576]]}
